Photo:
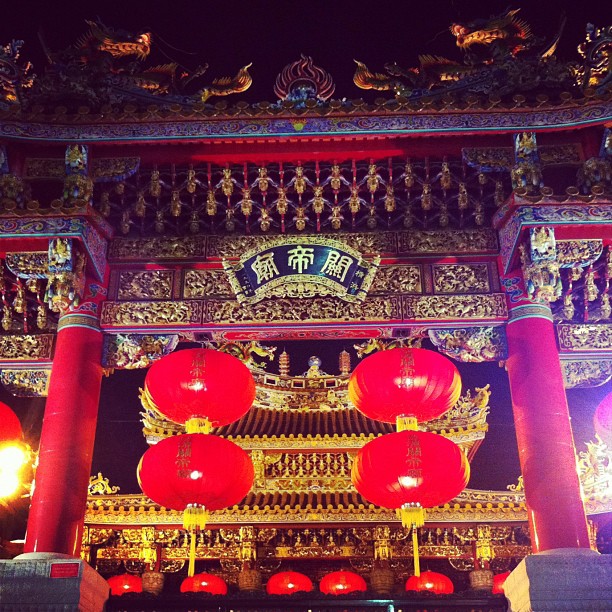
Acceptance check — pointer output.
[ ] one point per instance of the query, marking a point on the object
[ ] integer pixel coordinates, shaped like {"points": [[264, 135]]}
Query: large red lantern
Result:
{"points": [[341, 583], [204, 583], [498, 582], [430, 581], [125, 583], [603, 420], [410, 468], [405, 382], [10, 427], [287, 583], [200, 388]]}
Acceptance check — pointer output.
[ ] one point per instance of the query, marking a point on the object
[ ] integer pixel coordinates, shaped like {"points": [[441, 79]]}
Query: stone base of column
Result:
{"points": [[51, 583], [559, 580]]}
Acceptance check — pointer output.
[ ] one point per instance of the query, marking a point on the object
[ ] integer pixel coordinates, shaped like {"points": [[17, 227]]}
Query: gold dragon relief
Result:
{"points": [[586, 372], [304, 310], [134, 249], [397, 279], [459, 307], [145, 284], [26, 347], [461, 278], [205, 283], [163, 313], [456, 241], [582, 337]]}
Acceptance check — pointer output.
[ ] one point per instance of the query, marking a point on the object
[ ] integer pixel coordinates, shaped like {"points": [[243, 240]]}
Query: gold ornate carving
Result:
{"points": [[30, 264], [459, 307], [206, 283], [98, 485], [26, 383], [461, 278], [146, 284], [584, 337], [578, 252], [595, 470], [133, 249], [397, 279], [306, 310], [586, 372], [26, 347], [456, 241], [152, 313]]}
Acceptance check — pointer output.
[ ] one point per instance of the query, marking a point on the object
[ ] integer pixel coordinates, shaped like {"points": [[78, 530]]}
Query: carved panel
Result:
{"points": [[461, 278], [586, 373], [457, 241], [206, 283], [166, 313], [471, 344], [306, 310], [455, 307], [578, 252], [397, 279], [133, 249], [146, 284], [26, 383], [25, 265], [26, 348], [584, 337]]}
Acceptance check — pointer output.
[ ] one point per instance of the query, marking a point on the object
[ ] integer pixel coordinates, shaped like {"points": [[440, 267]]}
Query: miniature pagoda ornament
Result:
{"points": [[302, 81]]}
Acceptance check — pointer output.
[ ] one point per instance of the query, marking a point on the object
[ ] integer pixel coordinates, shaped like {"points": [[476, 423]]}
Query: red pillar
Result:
{"points": [[58, 504], [543, 430]]}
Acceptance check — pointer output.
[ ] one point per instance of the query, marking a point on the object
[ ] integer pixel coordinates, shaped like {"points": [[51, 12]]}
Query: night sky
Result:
{"points": [[228, 35]]}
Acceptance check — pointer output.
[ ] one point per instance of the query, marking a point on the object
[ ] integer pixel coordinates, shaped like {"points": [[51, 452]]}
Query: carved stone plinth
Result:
{"points": [[50, 582], [559, 580]]}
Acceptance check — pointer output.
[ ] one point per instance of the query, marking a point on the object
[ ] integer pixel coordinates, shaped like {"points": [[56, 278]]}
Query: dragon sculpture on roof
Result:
{"points": [[500, 55], [106, 66]]}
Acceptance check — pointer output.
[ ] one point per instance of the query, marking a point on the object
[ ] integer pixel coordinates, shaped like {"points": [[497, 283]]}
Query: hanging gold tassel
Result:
{"points": [[406, 423], [413, 515], [415, 551], [194, 519], [198, 425]]}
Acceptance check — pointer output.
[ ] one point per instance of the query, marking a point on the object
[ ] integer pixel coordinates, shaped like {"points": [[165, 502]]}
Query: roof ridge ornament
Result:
{"points": [[302, 80]]}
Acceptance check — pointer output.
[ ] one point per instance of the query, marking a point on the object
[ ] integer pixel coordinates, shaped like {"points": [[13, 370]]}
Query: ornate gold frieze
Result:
{"points": [[134, 249], [460, 307], [26, 383], [101, 169], [307, 310], [26, 347], [586, 372], [440, 242], [145, 284], [584, 337], [397, 279], [133, 314], [206, 283], [28, 264], [578, 252], [461, 278]]}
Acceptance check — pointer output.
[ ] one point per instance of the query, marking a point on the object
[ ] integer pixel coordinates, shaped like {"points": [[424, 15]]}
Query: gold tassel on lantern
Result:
{"points": [[406, 423], [194, 518], [198, 425], [413, 515]]}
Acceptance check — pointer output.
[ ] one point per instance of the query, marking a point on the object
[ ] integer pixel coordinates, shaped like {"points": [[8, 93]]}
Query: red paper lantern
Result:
{"points": [[341, 583], [405, 382], [603, 420], [200, 384], [430, 581], [195, 470], [125, 583], [10, 427], [498, 582], [204, 583], [287, 583], [410, 467]]}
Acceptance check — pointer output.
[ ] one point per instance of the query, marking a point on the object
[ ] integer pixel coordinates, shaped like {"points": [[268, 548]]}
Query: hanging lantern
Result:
{"points": [[498, 583], [195, 473], [287, 583], [204, 583], [342, 583], [430, 581], [10, 427], [125, 583], [200, 388], [403, 384], [603, 420]]}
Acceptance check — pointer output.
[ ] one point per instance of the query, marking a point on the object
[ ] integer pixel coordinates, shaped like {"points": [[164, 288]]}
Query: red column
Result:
{"points": [[544, 435], [66, 445]]}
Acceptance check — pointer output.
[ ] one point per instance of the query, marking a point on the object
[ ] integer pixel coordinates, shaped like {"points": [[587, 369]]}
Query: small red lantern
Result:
{"points": [[408, 468], [405, 382], [10, 427], [498, 582], [430, 581], [603, 420], [204, 583], [200, 388], [125, 583], [341, 583], [287, 583]]}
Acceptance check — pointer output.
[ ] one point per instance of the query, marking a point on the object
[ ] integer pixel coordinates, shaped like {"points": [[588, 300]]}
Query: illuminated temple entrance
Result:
{"points": [[302, 237]]}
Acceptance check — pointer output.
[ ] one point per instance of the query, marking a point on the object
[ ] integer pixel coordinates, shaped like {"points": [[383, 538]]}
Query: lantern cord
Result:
{"points": [[193, 536], [415, 551], [198, 425], [406, 423]]}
